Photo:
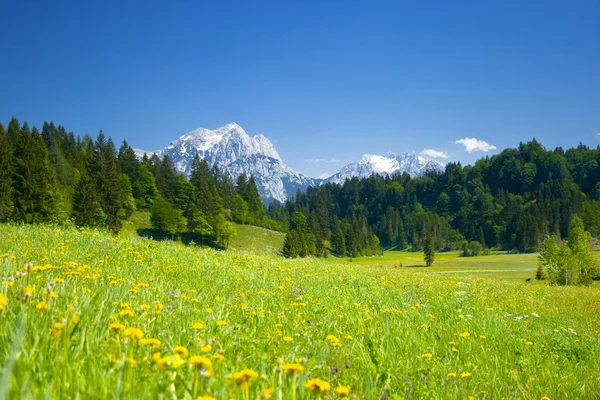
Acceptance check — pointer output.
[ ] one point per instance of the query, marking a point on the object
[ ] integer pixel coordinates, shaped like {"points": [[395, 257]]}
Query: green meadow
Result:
{"points": [[85, 314]]}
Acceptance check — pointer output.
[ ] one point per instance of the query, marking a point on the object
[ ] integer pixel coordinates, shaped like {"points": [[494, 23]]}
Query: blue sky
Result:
{"points": [[326, 81]]}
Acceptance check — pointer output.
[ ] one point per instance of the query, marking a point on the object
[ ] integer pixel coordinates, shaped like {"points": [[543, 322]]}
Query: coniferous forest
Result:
{"points": [[510, 201], [54, 176]]}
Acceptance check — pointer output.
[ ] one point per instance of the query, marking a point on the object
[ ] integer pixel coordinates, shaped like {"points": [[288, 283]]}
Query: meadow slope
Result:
{"points": [[86, 314]]}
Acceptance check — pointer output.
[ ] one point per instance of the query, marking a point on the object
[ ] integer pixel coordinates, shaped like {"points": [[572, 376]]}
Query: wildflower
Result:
{"points": [[42, 305], [545, 398], [134, 333], [130, 361], [465, 375], [452, 343], [482, 337], [317, 385], [200, 361], [198, 325], [267, 393], [465, 334], [427, 355], [28, 291], [452, 375], [218, 357], [116, 327], [3, 301], [182, 351], [76, 319], [206, 398], [151, 342], [293, 368], [287, 339], [244, 378], [343, 391], [205, 348], [126, 313], [221, 323]]}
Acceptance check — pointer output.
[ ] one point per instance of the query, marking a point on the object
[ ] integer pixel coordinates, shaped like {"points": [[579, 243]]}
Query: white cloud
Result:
{"points": [[434, 153], [472, 145], [322, 160]]}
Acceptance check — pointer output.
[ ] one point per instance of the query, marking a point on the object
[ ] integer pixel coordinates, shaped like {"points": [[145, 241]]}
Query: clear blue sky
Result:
{"points": [[322, 79]]}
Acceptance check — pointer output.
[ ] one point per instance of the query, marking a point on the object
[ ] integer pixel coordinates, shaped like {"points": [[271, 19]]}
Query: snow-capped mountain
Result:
{"points": [[370, 164], [234, 152]]}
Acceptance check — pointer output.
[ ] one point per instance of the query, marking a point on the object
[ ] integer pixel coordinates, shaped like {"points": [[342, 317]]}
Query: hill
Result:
{"points": [[249, 238], [85, 314]]}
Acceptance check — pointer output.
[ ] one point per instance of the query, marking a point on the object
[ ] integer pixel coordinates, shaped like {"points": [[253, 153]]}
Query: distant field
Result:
{"points": [[497, 265], [98, 316]]}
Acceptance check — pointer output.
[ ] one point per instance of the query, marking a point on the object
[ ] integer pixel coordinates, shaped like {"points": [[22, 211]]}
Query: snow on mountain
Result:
{"points": [[235, 152], [371, 164]]}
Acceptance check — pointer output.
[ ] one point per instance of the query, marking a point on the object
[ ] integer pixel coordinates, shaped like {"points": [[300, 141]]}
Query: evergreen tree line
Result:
{"points": [[54, 176], [510, 201]]}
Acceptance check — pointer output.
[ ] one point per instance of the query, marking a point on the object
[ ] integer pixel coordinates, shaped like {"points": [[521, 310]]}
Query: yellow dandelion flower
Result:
{"points": [[465, 334], [134, 333], [317, 385], [267, 393], [130, 361], [76, 318], [482, 337], [221, 323], [451, 374], [198, 325], [427, 355], [206, 398], [182, 351], [200, 362], [42, 305], [126, 313], [3, 301], [150, 341], [244, 378], [342, 391], [116, 327], [206, 348], [465, 375], [28, 291], [217, 357], [545, 398], [452, 343], [287, 339], [293, 368]]}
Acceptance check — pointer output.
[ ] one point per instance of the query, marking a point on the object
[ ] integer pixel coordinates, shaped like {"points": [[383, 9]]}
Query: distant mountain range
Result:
{"points": [[235, 152]]}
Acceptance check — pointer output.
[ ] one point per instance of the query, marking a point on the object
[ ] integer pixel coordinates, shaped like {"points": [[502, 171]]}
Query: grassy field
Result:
{"points": [[249, 238], [497, 265], [85, 314]]}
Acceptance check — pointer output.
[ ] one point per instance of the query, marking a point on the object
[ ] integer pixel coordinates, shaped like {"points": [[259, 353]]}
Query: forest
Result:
{"points": [[53, 176], [510, 201]]}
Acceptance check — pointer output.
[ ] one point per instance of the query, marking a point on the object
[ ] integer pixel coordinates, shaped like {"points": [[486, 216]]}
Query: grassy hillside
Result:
{"points": [[100, 316], [249, 238]]}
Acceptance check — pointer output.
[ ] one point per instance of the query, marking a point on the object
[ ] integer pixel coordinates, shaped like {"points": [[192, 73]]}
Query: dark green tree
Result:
{"points": [[429, 250]]}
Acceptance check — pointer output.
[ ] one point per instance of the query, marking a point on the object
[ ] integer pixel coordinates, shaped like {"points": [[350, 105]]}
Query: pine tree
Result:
{"points": [[429, 250], [5, 175]]}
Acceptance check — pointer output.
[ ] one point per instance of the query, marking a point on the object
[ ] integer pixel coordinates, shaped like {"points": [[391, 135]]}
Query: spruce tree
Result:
{"points": [[429, 250], [108, 183], [33, 180], [5, 175], [86, 207]]}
